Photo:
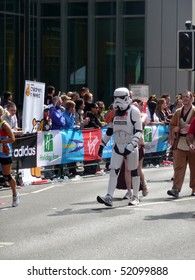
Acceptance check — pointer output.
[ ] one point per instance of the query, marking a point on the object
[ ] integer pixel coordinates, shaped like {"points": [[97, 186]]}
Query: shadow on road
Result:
{"points": [[171, 216]]}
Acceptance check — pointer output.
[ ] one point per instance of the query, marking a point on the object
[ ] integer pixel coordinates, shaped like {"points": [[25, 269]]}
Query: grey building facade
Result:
{"points": [[163, 20]]}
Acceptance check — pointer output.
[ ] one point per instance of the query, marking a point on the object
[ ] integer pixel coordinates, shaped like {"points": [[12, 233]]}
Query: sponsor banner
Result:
{"points": [[91, 139], [72, 146], [156, 138], [66, 146], [107, 151], [25, 151], [49, 148], [34, 93]]}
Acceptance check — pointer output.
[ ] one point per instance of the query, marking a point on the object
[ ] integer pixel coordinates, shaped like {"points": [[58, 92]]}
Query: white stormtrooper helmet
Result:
{"points": [[122, 99]]}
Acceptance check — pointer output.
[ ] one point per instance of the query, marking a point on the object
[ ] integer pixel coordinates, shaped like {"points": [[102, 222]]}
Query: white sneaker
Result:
{"points": [[107, 200], [128, 195], [134, 201], [16, 200]]}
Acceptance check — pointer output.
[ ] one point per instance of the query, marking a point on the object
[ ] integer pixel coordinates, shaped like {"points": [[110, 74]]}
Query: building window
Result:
{"points": [[77, 53], [133, 50], [105, 58], [105, 8], [50, 53], [78, 9], [134, 8], [50, 9]]}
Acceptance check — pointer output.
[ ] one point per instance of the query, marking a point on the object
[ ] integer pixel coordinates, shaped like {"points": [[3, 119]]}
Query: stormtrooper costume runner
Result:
{"points": [[127, 130]]}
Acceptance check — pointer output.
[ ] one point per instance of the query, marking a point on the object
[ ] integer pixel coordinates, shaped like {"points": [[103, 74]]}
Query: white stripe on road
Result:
{"points": [[155, 203], [45, 189], [2, 244]]}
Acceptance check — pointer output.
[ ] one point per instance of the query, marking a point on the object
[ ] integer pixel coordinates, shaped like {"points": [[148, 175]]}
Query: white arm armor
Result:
{"points": [[136, 121], [108, 134]]}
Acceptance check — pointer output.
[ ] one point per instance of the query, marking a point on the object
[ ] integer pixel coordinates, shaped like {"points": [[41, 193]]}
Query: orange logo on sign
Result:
{"points": [[28, 90]]}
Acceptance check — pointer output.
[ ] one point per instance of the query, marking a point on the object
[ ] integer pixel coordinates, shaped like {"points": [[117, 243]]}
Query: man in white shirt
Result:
{"points": [[11, 117]]}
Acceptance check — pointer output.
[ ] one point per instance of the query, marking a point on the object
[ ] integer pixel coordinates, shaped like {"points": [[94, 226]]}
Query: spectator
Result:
{"points": [[191, 139], [74, 95], [160, 111], [100, 115], [179, 126], [151, 113], [110, 114], [56, 115], [69, 115], [152, 98], [7, 98], [88, 99], [167, 108], [64, 98], [177, 104], [141, 147], [6, 138], [83, 91], [46, 122], [191, 143], [91, 114], [93, 123], [11, 118], [49, 95], [80, 120], [193, 103]]}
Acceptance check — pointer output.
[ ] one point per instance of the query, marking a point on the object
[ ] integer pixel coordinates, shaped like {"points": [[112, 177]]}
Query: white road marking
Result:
{"points": [[45, 189], [2, 244], [155, 203]]}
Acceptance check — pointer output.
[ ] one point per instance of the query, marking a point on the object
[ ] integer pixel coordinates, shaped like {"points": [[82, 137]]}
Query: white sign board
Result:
{"points": [[140, 91], [34, 93]]}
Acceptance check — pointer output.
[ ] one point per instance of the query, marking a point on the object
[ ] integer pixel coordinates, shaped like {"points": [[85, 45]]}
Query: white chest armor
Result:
{"points": [[123, 128]]}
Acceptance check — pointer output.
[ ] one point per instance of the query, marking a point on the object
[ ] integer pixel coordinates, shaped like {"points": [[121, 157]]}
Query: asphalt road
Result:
{"points": [[63, 221]]}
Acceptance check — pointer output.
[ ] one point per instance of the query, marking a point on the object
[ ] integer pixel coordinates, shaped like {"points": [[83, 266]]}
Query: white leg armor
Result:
{"points": [[112, 182], [115, 164], [136, 184]]}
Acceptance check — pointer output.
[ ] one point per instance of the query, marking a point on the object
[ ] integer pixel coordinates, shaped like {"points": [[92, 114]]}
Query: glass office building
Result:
{"points": [[71, 44]]}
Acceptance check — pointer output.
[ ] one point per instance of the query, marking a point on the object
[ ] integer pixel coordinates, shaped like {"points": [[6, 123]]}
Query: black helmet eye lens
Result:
{"points": [[121, 97]]}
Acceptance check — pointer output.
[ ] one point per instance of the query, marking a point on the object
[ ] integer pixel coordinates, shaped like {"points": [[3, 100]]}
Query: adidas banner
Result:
{"points": [[25, 151]]}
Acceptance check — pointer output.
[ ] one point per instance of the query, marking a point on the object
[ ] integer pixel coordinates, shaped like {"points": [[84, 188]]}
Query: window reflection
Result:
{"points": [[50, 51], [50, 9], [105, 8], [134, 8], [77, 53], [105, 59], [133, 50], [77, 9]]}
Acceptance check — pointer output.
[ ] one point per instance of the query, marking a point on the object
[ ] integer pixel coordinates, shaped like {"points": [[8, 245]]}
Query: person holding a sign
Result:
{"points": [[6, 138]]}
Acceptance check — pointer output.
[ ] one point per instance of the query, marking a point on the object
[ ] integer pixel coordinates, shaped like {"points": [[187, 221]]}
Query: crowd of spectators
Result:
{"points": [[73, 110]]}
